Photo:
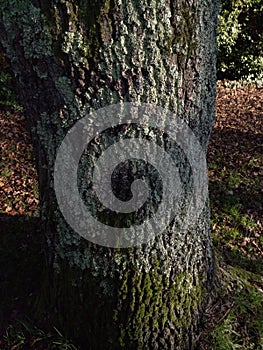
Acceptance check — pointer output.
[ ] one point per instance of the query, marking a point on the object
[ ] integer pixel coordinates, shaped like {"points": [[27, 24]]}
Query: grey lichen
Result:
{"points": [[76, 47]]}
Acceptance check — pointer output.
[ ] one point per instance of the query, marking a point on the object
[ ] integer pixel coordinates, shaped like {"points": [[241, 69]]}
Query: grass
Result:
{"points": [[234, 318], [234, 162], [22, 335], [242, 326]]}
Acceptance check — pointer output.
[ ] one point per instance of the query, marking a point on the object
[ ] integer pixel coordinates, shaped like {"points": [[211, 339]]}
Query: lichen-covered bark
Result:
{"points": [[70, 58]]}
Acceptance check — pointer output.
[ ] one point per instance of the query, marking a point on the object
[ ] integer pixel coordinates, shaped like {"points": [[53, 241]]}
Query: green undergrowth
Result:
{"points": [[8, 99], [21, 335], [241, 318], [236, 202]]}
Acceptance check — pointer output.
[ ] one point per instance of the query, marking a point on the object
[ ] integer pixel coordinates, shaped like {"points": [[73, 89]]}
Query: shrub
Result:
{"points": [[240, 40]]}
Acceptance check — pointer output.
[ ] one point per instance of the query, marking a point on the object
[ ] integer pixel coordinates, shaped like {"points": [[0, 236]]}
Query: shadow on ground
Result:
{"points": [[21, 265]]}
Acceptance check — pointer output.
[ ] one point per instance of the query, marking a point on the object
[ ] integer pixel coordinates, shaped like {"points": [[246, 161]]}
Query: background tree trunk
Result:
{"points": [[71, 57]]}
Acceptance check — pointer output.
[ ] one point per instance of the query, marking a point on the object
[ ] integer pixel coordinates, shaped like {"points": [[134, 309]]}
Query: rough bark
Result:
{"points": [[73, 57]]}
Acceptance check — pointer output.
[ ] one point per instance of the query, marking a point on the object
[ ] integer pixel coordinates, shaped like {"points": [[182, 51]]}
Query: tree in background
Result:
{"points": [[240, 40], [69, 59]]}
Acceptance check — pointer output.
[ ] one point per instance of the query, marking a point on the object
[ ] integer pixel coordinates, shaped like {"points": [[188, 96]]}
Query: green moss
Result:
{"points": [[153, 300], [146, 300]]}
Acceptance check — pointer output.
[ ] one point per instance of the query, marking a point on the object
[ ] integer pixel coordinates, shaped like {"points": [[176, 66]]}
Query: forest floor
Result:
{"points": [[235, 319]]}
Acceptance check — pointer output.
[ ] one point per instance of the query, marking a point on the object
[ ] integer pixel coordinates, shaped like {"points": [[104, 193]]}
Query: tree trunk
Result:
{"points": [[69, 59]]}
